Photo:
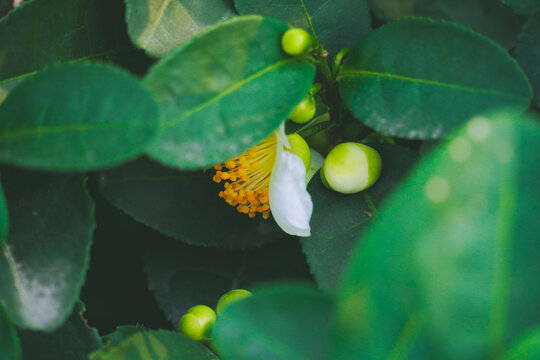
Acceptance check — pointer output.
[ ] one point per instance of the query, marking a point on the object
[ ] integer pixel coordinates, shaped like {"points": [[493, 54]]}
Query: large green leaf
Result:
{"points": [[160, 25], [488, 17], [225, 91], [337, 23], [526, 347], [156, 345], [73, 341], [451, 265], [523, 7], [9, 341], [43, 262], [338, 219], [56, 31], [281, 321], [421, 79], [182, 276], [527, 53], [183, 205], [52, 122]]}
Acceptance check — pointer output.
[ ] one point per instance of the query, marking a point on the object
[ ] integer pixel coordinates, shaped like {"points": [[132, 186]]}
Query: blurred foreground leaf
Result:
{"points": [[10, 348], [450, 268]]}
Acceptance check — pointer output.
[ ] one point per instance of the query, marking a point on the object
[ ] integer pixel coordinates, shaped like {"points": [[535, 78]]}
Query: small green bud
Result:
{"points": [[296, 41], [197, 322], [300, 147], [304, 111], [230, 297], [351, 167]]}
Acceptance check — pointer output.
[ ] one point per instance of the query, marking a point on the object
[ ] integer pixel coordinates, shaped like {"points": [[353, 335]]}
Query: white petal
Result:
{"points": [[316, 163], [290, 202]]}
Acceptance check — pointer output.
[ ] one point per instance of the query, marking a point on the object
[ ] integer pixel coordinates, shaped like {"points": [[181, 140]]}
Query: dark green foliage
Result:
{"points": [[527, 53]]}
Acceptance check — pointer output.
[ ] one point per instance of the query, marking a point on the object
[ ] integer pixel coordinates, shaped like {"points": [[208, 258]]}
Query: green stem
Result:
{"points": [[308, 17], [370, 204]]}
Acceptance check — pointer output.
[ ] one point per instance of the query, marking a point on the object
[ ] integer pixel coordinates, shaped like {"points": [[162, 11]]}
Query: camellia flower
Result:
{"points": [[269, 178]]}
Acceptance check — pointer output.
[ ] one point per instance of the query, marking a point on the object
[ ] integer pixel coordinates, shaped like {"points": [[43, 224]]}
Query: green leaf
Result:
{"points": [[389, 86], [73, 341], [451, 265], [189, 206], [156, 345], [527, 53], [523, 7], [121, 333], [4, 224], [281, 321], [527, 347], [9, 341], [51, 122], [160, 25], [337, 23], [182, 276], [488, 17], [225, 91], [338, 219], [55, 31], [44, 261]]}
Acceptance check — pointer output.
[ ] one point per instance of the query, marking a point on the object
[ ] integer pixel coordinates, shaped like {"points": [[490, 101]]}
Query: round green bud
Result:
{"points": [[351, 167], [296, 41], [197, 322], [230, 297], [304, 111], [300, 147]]}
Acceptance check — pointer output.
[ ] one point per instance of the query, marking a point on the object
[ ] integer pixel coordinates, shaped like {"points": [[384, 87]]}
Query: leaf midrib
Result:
{"points": [[384, 75], [234, 87]]}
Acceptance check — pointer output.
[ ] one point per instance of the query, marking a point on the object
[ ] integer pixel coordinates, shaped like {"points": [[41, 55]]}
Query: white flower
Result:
{"points": [[269, 178]]}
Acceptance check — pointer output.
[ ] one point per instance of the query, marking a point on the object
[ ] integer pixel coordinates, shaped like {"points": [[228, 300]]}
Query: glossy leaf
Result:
{"points": [[527, 53], [182, 276], [450, 266], [160, 25], [156, 345], [9, 341], [337, 23], [460, 74], [523, 7], [44, 261], [73, 341], [488, 17], [51, 122], [339, 219], [225, 91], [190, 209], [526, 347], [55, 31], [281, 321]]}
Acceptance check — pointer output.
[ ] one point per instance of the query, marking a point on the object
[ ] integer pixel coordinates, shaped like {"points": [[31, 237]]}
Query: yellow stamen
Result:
{"points": [[248, 178]]}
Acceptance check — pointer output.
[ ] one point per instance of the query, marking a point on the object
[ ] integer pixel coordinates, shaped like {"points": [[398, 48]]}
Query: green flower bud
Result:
{"points": [[351, 167], [304, 111], [300, 147], [197, 322], [230, 297], [296, 41]]}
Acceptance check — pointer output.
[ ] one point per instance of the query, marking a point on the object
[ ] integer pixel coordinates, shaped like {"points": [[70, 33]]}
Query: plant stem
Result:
{"points": [[312, 130], [370, 204]]}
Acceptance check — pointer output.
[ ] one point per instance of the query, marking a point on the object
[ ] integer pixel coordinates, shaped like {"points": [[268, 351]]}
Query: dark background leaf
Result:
{"points": [[523, 7], [527, 53], [337, 23], [44, 261], [182, 276], [73, 341], [9, 341], [339, 219], [183, 205]]}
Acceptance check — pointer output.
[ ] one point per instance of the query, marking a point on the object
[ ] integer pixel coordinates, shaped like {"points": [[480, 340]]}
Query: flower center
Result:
{"points": [[247, 178]]}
